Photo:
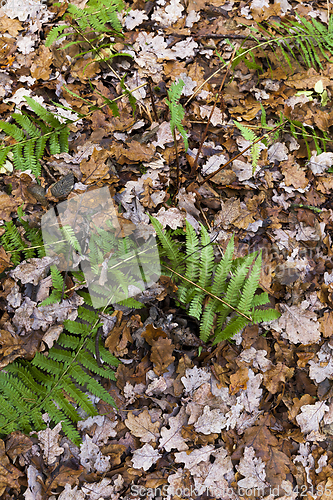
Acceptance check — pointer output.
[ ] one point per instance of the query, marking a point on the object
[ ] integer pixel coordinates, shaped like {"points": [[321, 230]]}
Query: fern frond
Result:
{"points": [[55, 34], [32, 137], [68, 233], [47, 384], [170, 247], [177, 111], [260, 315], [206, 259], [250, 286], [235, 325], [207, 320], [223, 269]]}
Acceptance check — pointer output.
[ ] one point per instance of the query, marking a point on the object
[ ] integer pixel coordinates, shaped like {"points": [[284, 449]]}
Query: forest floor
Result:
{"points": [[251, 417]]}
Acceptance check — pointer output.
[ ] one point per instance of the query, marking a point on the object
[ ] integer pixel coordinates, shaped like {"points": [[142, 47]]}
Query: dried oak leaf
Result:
{"points": [[229, 213], [8, 473], [4, 260], [40, 68], [311, 416], [276, 376], [48, 440], [17, 444], [260, 438], [91, 457], [210, 422], [8, 204], [172, 438], [151, 334], [326, 324], [83, 69], [306, 399], [100, 427], [32, 270], [277, 468], [11, 26], [212, 476], [253, 470], [95, 168], [65, 474], [14, 346], [161, 355], [195, 457], [194, 378], [134, 153], [101, 489], [298, 325], [293, 174], [71, 494], [143, 427], [172, 217], [145, 457], [238, 380]]}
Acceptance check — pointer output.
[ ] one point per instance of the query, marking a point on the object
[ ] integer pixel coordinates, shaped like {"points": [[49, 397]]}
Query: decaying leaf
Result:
{"points": [[49, 440]]}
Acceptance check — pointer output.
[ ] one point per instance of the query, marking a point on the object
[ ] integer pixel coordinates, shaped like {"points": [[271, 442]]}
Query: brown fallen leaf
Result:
{"points": [[4, 260], [293, 174], [276, 376], [151, 334], [40, 68], [238, 380], [143, 427], [134, 153], [161, 355], [11, 26], [8, 473], [293, 410], [95, 168], [326, 324], [17, 444], [259, 437]]}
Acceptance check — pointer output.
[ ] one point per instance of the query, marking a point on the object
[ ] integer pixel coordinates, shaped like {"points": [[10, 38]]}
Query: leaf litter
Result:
{"points": [[256, 413]]}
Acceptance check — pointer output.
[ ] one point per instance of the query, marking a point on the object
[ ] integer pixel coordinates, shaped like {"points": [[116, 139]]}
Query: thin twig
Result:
{"points": [[152, 102], [195, 164]]}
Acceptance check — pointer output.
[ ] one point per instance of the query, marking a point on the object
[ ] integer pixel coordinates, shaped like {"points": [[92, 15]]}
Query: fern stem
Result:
{"points": [[177, 158], [209, 293]]}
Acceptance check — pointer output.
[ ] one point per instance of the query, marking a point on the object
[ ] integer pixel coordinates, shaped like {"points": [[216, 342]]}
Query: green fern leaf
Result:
{"points": [[55, 34], [177, 111]]}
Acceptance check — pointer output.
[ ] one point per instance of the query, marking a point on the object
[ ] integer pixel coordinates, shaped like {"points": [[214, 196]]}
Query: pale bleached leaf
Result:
{"points": [[145, 457]]}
